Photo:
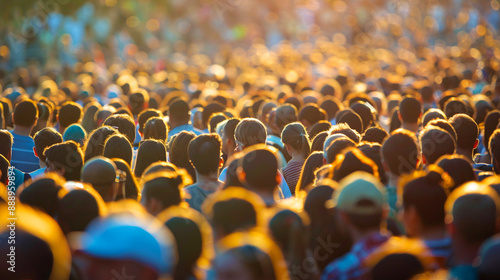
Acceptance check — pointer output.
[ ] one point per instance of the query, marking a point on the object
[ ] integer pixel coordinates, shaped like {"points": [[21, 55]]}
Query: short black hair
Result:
{"points": [[427, 194], [444, 124], [351, 161], [454, 106], [234, 214], [44, 194], [95, 142], [318, 127], [467, 131], [76, 210], [490, 125], [458, 167], [189, 242], [138, 101], [436, 142], [149, 151], [261, 167], [311, 113], [331, 105], [145, 115], [365, 113], [68, 156], [204, 153], [285, 114], [25, 113], [209, 110], [69, 113], [215, 119], [432, 114], [474, 216], [44, 138], [6, 141], [118, 146], [400, 152], [410, 109], [352, 119], [165, 186], [179, 111], [230, 127], [336, 148], [375, 134], [125, 125], [344, 128]]}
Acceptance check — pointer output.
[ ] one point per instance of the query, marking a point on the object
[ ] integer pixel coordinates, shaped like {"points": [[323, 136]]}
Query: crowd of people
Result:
{"points": [[350, 157]]}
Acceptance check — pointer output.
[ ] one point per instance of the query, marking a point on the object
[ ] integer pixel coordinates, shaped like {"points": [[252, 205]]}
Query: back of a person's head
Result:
{"points": [[75, 132], [344, 128], [214, 120], [125, 125], [434, 143], [164, 186], [352, 119], [66, 156], [149, 151], [331, 105], [118, 146], [156, 128], [310, 114], [375, 134], [365, 113], [317, 128], [189, 239], [4, 169], [318, 141], [445, 125], [400, 152], [474, 217], [139, 101], [145, 115], [233, 214], [89, 111], [336, 148], [209, 110], [312, 163], [6, 141], [490, 125], [285, 114], [69, 113], [410, 110], [44, 193], [95, 142], [77, 209], [458, 167], [179, 111], [373, 152], [454, 106], [102, 114], [205, 153], [260, 166], [432, 114], [178, 151], [250, 132], [427, 194], [467, 131], [295, 136], [25, 113], [351, 161]]}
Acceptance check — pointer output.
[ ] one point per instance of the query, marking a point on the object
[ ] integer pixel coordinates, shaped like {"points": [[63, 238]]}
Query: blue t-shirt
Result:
{"points": [[23, 157], [184, 127]]}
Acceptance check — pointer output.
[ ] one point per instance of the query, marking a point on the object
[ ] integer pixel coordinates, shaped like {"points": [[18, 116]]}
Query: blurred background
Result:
{"points": [[59, 33]]}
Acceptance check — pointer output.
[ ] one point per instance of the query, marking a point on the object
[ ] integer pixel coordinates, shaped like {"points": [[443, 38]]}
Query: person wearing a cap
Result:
{"points": [[76, 133], [361, 204], [179, 119], [100, 172]]}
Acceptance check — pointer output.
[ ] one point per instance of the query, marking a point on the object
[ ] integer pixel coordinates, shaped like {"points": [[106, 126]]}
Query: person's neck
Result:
{"points": [[464, 254], [297, 156], [413, 127], [42, 163], [207, 182], [268, 198], [465, 153], [361, 235], [434, 233], [22, 130]]}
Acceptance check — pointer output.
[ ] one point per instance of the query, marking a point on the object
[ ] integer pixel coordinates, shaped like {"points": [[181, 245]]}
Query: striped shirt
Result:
{"points": [[23, 157], [291, 172]]}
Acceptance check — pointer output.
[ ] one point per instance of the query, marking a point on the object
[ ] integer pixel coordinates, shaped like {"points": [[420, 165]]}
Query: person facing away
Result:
{"points": [[100, 172], [205, 155], [25, 117], [296, 141], [361, 206], [179, 119]]}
